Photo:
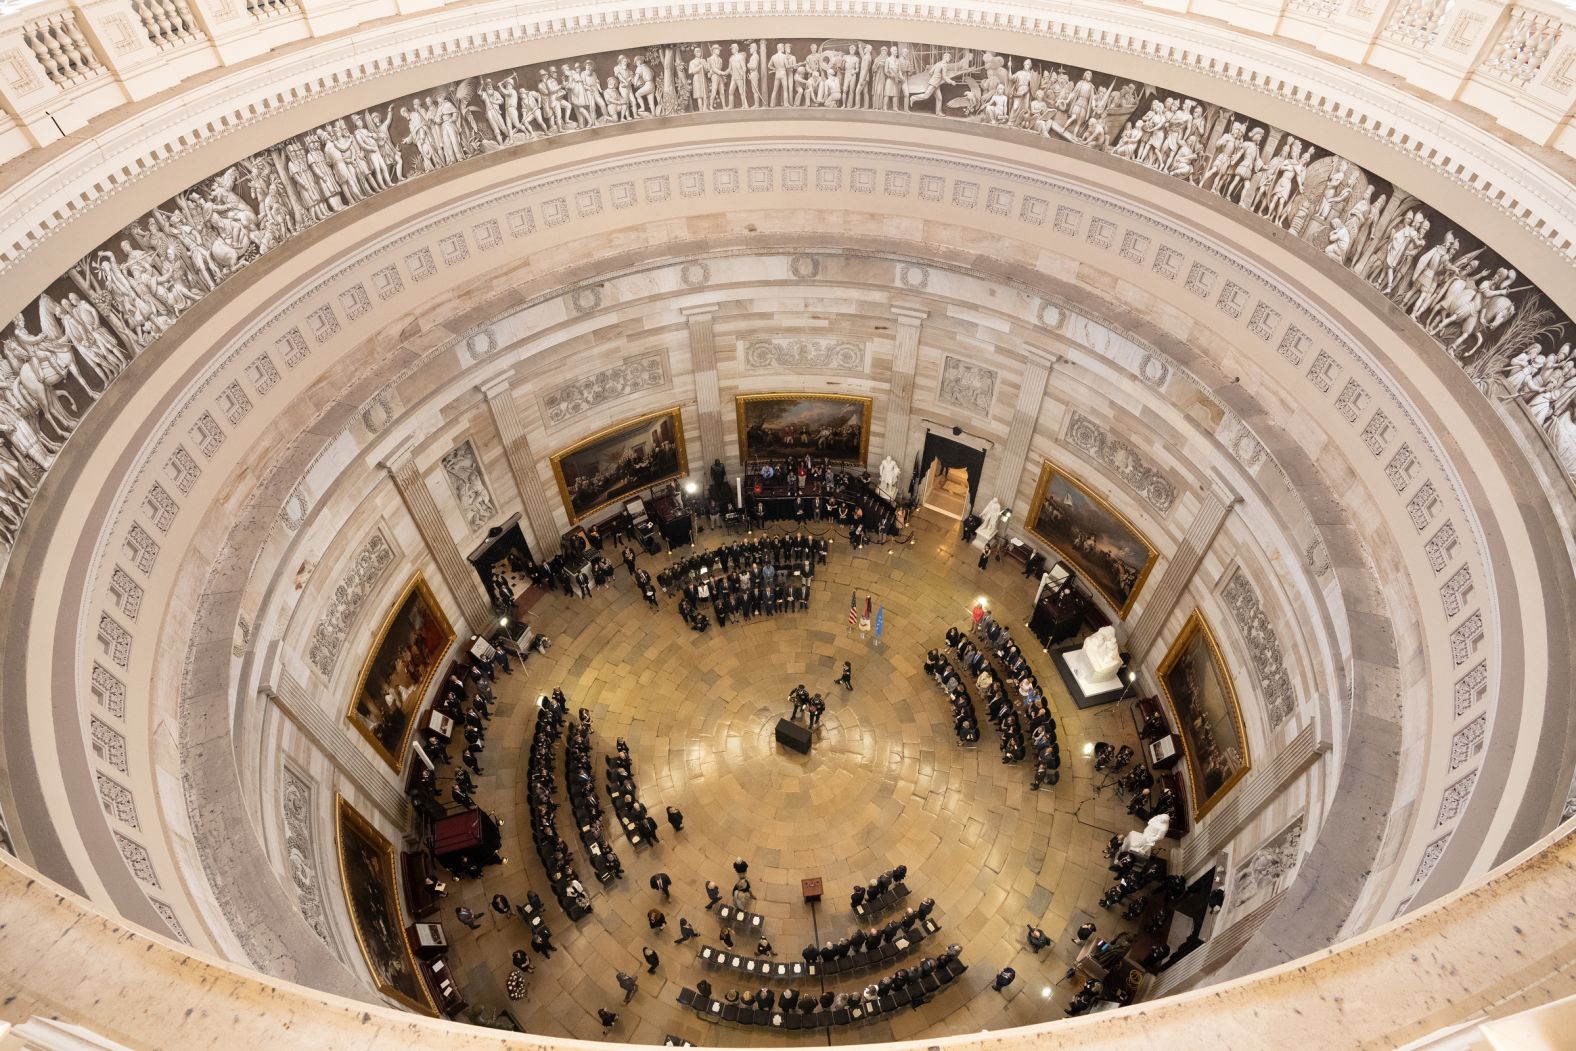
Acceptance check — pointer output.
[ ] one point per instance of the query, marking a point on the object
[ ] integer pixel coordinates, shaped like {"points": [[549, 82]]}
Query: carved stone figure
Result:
{"points": [[889, 472], [1102, 653]]}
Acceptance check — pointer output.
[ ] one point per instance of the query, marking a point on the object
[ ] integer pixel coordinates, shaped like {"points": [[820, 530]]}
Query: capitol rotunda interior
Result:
{"points": [[436, 440]]}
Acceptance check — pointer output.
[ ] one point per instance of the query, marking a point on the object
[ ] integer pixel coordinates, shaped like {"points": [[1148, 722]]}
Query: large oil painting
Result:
{"points": [[366, 867], [1098, 541], [621, 461], [1197, 686], [832, 427], [404, 659]]}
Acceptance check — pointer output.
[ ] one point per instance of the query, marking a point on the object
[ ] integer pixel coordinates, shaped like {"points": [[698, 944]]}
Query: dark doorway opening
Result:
{"points": [[502, 562], [951, 455]]}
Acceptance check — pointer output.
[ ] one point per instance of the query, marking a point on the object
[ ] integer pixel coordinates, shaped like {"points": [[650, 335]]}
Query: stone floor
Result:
{"points": [[886, 783]]}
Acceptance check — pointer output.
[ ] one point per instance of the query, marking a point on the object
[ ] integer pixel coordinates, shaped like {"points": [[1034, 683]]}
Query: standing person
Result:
{"points": [[847, 680], [817, 709], [740, 866], [467, 917], [686, 932], [608, 1019], [1037, 938], [1004, 978], [652, 959], [629, 559], [656, 919], [985, 554], [630, 986], [662, 882], [713, 895], [676, 818]]}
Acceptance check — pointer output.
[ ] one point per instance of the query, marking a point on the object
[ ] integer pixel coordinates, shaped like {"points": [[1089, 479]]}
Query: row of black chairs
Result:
{"points": [[907, 941], [550, 846], [583, 800], [640, 828], [813, 1016], [755, 966], [965, 719], [881, 901]]}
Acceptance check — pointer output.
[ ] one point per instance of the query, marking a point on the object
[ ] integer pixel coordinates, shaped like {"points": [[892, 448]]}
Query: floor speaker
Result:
{"points": [[794, 736]]}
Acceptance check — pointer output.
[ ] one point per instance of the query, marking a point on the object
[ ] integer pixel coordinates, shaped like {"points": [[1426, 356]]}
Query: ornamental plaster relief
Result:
{"points": [[262, 384], [463, 471], [562, 403], [124, 295], [1269, 869]]}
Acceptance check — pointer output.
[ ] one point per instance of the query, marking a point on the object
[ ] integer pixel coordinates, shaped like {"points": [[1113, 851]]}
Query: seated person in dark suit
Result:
{"points": [[703, 988], [811, 954]]}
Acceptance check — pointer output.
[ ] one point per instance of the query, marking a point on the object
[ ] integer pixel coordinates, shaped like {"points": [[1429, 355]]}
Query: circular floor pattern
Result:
{"points": [[886, 783]]}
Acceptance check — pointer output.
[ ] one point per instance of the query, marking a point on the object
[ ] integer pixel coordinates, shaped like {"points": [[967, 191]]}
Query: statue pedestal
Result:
{"points": [[1087, 685]]}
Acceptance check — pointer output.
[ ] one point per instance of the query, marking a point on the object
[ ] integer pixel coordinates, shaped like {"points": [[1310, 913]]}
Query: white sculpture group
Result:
{"points": [[57, 358]]}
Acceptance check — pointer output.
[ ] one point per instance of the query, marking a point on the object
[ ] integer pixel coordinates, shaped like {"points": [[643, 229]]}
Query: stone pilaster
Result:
{"points": [[1163, 594], [900, 400], [708, 396], [1025, 417], [457, 573], [522, 465]]}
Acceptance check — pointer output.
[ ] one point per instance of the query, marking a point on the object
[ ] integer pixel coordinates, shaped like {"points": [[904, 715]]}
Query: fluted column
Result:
{"points": [[522, 465], [457, 573], [900, 402], [1025, 417], [708, 398], [1218, 501]]}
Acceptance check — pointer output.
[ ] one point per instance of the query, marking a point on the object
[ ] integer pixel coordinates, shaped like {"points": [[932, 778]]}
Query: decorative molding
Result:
{"points": [[967, 385], [1431, 855], [1455, 798], [1269, 661], [1122, 459], [328, 638], [563, 403], [802, 352], [463, 471], [299, 854], [1269, 868]]}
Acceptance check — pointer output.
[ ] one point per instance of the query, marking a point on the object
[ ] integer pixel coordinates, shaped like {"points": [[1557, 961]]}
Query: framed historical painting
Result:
{"points": [[1197, 687], [620, 461], [408, 653], [1095, 538], [369, 877], [832, 427]]}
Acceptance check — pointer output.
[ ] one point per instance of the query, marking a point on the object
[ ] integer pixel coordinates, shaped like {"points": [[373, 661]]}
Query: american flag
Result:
{"points": [[853, 611]]}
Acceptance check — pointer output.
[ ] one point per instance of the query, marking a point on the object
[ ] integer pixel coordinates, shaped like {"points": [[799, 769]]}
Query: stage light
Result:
{"points": [[503, 622], [1088, 748], [1046, 992], [691, 488]]}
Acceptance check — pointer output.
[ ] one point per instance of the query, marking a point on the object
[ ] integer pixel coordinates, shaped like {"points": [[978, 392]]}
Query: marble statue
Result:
{"points": [[1143, 842], [1103, 654], [889, 476], [990, 521]]}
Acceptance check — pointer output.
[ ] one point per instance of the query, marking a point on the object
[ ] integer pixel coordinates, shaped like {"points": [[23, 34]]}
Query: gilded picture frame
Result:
{"points": [[369, 878], [1081, 525], [617, 462], [407, 655], [762, 420], [1198, 690]]}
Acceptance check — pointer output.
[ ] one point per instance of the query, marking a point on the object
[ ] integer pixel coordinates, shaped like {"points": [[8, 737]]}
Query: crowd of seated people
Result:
{"points": [[466, 697], [1011, 678], [879, 888], [640, 828], [550, 846], [583, 800], [865, 945], [758, 577], [796, 1009], [965, 720]]}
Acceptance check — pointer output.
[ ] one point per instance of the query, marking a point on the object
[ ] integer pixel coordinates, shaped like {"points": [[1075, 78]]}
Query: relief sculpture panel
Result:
{"points": [[566, 401], [81, 331]]}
